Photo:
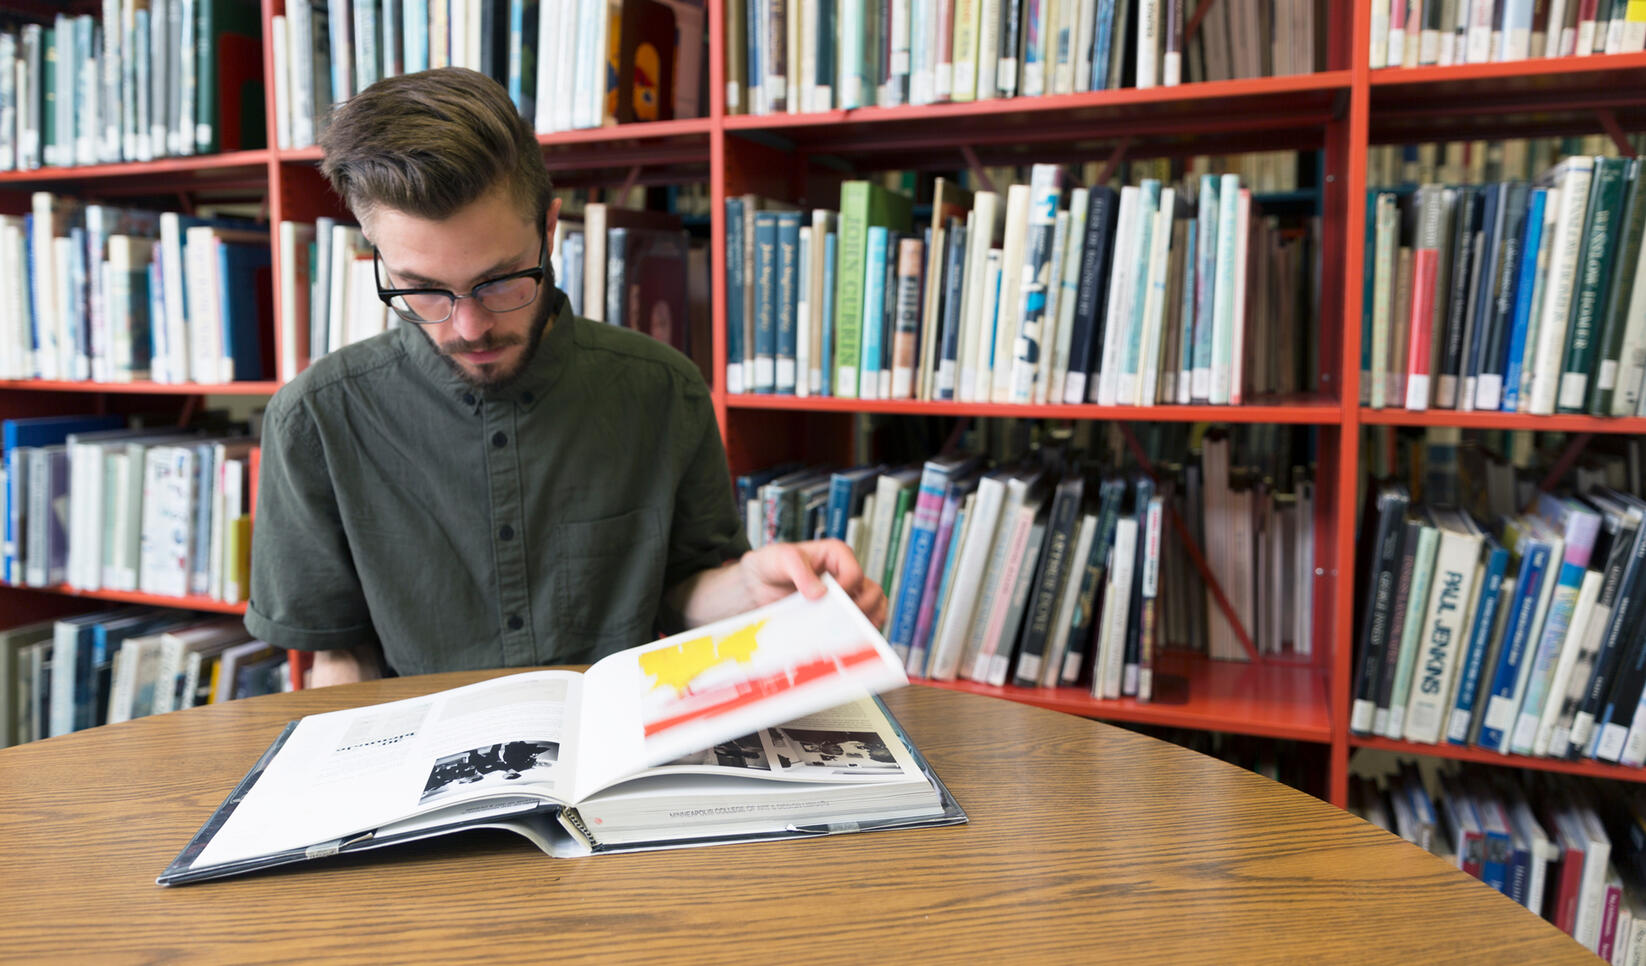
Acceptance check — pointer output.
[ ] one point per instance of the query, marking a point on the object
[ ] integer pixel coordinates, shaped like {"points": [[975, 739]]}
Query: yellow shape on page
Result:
{"points": [[678, 666]]}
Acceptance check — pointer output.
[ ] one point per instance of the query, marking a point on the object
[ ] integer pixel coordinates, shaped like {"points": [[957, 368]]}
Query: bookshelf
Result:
{"points": [[1341, 111]]}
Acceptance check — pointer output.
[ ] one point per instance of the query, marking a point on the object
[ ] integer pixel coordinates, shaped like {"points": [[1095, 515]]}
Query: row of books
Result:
{"points": [[145, 79], [121, 295], [115, 665], [1509, 296], [97, 505], [1480, 162], [1527, 637], [1150, 294], [1421, 33], [1567, 849], [328, 291], [820, 55], [566, 63], [631, 267], [1043, 575]]}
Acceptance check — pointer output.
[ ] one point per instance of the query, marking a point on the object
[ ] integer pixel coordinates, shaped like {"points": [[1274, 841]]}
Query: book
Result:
{"points": [[756, 727]]}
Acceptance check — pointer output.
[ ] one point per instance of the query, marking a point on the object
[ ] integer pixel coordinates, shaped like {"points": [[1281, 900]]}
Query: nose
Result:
{"points": [[470, 321]]}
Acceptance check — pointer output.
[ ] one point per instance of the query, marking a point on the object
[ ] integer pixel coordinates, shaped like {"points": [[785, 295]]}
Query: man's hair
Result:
{"points": [[431, 143]]}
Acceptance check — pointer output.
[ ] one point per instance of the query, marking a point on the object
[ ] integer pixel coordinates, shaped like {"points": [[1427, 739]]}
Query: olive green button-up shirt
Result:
{"points": [[539, 524]]}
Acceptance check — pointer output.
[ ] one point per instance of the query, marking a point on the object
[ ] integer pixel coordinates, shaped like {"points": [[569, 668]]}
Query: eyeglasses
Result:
{"points": [[429, 306]]}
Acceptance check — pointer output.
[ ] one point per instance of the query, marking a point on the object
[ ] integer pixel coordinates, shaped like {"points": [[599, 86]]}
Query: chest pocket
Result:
{"points": [[608, 577]]}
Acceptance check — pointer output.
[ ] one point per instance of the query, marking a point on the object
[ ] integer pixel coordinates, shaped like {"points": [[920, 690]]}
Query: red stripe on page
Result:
{"points": [[720, 701]]}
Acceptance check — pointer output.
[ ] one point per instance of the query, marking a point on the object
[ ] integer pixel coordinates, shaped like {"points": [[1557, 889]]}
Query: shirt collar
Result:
{"points": [[541, 374]]}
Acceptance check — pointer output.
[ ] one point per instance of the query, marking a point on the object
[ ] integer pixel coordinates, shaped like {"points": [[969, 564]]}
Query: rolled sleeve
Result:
{"points": [[305, 592]]}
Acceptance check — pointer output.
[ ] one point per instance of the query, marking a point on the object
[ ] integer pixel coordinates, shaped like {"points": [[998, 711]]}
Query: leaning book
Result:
{"points": [[759, 727]]}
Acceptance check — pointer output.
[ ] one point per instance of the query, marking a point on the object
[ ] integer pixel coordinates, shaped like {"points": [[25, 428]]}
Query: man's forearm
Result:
{"points": [[710, 595], [345, 666]]}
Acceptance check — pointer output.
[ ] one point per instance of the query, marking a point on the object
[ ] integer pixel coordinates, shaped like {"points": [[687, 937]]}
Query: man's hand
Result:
{"points": [[773, 572], [344, 666]]}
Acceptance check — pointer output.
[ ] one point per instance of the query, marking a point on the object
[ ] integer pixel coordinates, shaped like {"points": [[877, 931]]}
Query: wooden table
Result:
{"points": [[1086, 843]]}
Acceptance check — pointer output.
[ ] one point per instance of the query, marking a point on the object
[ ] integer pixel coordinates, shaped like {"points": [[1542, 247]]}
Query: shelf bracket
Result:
{"points": [[1568, 456], [1115, 157], [191, 404], [1196, 556], [1198, 15], [629, 182], [1608, 121], [976, 167]]}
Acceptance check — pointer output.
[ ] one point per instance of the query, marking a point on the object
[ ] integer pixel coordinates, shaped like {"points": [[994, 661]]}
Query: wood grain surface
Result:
{"points": [[1086, 843]]}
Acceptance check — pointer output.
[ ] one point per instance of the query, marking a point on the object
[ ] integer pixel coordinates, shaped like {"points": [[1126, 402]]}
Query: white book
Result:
{"points": [[886, 491], [1117, 600], [280, 37], [1050, 322], [1445, 623], [990, 317], [16, 342], [988, 48], [960, 612], [46, 289], [168, 521], [1105, 389], [1148, 42], [1380, 35], [979, 235], [796, 374], [823, 224], [295, 239], [1597, 855], [1154, 303], [1237, 354], [1030, 295], [1085, 28], [211, 637], [138, 659], [204, 311], [1480, 32], [1011, 278], [1634, 40], [1395, 54], [1224, 318], [1573, 176], [974, 659]]}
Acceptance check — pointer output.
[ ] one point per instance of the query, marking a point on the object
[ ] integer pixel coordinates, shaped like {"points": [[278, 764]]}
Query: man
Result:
{"points": [[493, 482]]}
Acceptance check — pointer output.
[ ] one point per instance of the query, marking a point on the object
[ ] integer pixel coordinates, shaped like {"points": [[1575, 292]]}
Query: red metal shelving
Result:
{"points": [[162, 173], [1272, 700], [130, 597], [1592, 769], [1321, 411], [261, 388], [1558, 422]]}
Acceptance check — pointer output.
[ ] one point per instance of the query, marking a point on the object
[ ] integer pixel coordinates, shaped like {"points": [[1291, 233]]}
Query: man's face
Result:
{"points": [[487, 239]]}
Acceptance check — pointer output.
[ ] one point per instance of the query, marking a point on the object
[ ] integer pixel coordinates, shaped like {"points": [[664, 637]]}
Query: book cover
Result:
{"points": [[1593, 270], [862, 204]]}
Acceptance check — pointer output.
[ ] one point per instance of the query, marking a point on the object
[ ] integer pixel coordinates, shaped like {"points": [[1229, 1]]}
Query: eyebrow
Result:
{"points": [[497, 269]]}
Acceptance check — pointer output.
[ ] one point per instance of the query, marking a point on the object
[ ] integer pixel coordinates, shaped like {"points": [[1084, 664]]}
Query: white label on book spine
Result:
{"points": [[1360, 716], [764, 373], [1525, 732], [1028, 666], [1489, 392], [1417, 391], [785, 373], [1606, 378], [734, 377], [1397, 723], [1611, 742], [1500, 713], [1380, 721], [998, 666], [1580, 730], [1634, 748], [1457, 728], [1572, 385]]}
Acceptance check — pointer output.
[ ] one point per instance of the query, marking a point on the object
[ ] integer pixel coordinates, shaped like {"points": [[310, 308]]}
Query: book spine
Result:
{"points": [[786, 301], [765, 301], [1499, 312], [1593, 270], [911, 260], [928, 510], [1417, 601], [954, 287], [1603, 391], [849, 278], [1045, 192], [1441, 635], [1479, 641], [1549, 650], [1564, 258], [1501, 708], [874, 300], [1525, 284], [1092, 292]]}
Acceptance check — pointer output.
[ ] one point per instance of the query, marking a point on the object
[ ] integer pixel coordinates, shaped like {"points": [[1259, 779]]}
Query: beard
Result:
{"points": [[495, 376]]}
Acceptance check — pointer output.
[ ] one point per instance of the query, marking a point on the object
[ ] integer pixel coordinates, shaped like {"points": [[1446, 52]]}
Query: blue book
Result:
{"points": [[735, 381], [415, 43], [847, 488], [108, 636], [1500, 710], [926, 625], [954, 278], [830, 250], [1479, 640], [71, 676], [1102, 44], [1525, 285], [36, 431], [764, 377], [874, 299], [1480, 300], [247, 274], [33, 291], [522, 70], [1494, 865], [1148, 207], [73, 304], [787, 299], [935, 477], [1208, 232]]}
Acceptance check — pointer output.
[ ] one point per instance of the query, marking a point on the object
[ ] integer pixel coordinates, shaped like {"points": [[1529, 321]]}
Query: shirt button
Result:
{"points": [[515, 623], [506, 532], [468, 399], [500, 439]]}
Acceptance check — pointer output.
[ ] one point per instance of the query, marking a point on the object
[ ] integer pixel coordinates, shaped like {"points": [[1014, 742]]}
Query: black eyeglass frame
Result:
{"points": [[386, 295]]}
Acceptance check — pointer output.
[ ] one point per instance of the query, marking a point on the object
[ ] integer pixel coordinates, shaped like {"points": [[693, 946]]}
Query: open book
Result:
{"points": [[760, 726]]}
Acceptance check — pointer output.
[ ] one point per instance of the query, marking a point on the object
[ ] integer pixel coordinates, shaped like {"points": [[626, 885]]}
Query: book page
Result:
{"points": [[693, 691], [346, 772]]}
